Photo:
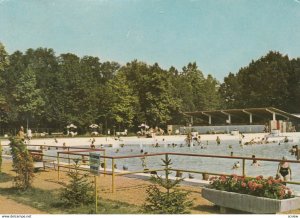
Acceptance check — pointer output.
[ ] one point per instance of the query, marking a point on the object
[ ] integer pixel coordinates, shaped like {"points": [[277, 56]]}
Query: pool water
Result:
{"points": [[216, 165]]}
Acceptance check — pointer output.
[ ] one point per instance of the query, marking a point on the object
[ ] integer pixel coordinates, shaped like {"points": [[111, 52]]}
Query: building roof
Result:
{"points": [[259, 112]]}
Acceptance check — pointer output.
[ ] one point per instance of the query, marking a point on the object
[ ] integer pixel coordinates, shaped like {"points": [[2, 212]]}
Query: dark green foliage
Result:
{"points": [[152, 86], [4, 177], [27, 97], [22, 164], [293, 101], [164, 197], [271, 81], [0, 157], [123, 102], [4, 62], [53, 91], [79, 191]]}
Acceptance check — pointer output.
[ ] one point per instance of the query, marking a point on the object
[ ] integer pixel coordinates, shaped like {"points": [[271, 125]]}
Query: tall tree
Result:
{"points": [[293, 100], [229, 91], [155, 99], [4, 63], [123, 102], [211, 96], [44, 63], [263, 83], [27, 97], [195, 91], [135, 73], [74, 91]]}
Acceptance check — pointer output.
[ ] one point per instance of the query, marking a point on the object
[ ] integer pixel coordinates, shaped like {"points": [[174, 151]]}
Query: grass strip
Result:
{"points": [[49, 201]]}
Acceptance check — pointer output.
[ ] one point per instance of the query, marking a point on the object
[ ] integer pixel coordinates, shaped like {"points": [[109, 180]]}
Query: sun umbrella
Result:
{"points": [[94, 126], [72, 126], [142, 125]]}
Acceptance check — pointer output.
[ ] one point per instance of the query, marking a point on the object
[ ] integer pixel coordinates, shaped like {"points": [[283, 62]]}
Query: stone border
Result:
{"points": [[249, 203]]}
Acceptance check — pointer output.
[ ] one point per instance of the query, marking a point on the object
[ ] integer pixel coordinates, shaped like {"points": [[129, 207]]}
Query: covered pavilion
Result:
{"points": [[265, 116]]}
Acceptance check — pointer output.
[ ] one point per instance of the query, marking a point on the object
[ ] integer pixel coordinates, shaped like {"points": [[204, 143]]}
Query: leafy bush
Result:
{"points": [[22, 164], [79, 191], [269, 188], [169, 201]]}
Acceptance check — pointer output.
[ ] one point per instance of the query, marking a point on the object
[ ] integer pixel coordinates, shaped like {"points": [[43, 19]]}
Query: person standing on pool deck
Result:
{"points": [[21, 134], [284, 169]]}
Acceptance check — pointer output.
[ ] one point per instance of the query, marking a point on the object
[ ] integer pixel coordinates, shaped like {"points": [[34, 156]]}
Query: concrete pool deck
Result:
{"points": [[165, 139]]}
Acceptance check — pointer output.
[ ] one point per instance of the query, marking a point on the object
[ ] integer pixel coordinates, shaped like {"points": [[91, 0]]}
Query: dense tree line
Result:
{"points": [[271, 81], [53, 91]]}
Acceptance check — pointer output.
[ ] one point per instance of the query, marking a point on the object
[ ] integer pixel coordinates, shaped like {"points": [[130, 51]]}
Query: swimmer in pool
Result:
{"points": [[255, 163]]}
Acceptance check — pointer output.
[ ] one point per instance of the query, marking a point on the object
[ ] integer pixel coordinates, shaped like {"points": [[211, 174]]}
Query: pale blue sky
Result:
{"points": [[220, 35]]}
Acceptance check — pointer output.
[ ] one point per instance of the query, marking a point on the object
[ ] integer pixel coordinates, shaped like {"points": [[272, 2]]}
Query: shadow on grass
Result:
{"points": [[4, 177], [49, 201]]}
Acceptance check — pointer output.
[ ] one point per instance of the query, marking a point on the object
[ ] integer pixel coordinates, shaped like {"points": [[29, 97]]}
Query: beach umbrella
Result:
{"points": [[71, 126], [142, 125], [93, 126]]}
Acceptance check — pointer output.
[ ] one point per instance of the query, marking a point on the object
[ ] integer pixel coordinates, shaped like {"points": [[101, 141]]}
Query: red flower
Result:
{"points": [[282, 193], [259, 177], [250, 184], [259, 186], [223, 178], [254, 185], [276, 181]]}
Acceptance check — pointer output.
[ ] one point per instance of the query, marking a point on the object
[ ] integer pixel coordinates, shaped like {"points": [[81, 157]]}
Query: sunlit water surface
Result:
{"points": [[216, 165]]}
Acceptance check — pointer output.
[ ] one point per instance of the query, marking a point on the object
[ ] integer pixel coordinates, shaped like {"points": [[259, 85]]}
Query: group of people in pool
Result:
{"points": [[283, 171]]}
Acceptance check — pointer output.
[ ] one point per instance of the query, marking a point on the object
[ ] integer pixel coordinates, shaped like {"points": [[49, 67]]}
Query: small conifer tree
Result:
{"points": [[22, 164], [164, 197], [79, 191]]}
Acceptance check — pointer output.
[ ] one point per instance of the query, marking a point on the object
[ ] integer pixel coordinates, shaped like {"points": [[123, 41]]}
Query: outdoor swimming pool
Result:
{"points": [[133, 146], [216, 165]]}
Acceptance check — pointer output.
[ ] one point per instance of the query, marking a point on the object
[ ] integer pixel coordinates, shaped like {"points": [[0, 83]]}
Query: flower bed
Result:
{"points": [[249, 203], [254, 195], [268, 188]]}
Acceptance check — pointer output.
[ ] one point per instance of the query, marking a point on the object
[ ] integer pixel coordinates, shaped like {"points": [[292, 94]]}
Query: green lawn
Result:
{"points": [[49, 202], [4, 177]]}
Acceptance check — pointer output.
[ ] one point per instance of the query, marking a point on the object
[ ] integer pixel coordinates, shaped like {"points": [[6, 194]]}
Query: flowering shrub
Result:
{"points": [[269, 188]]}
